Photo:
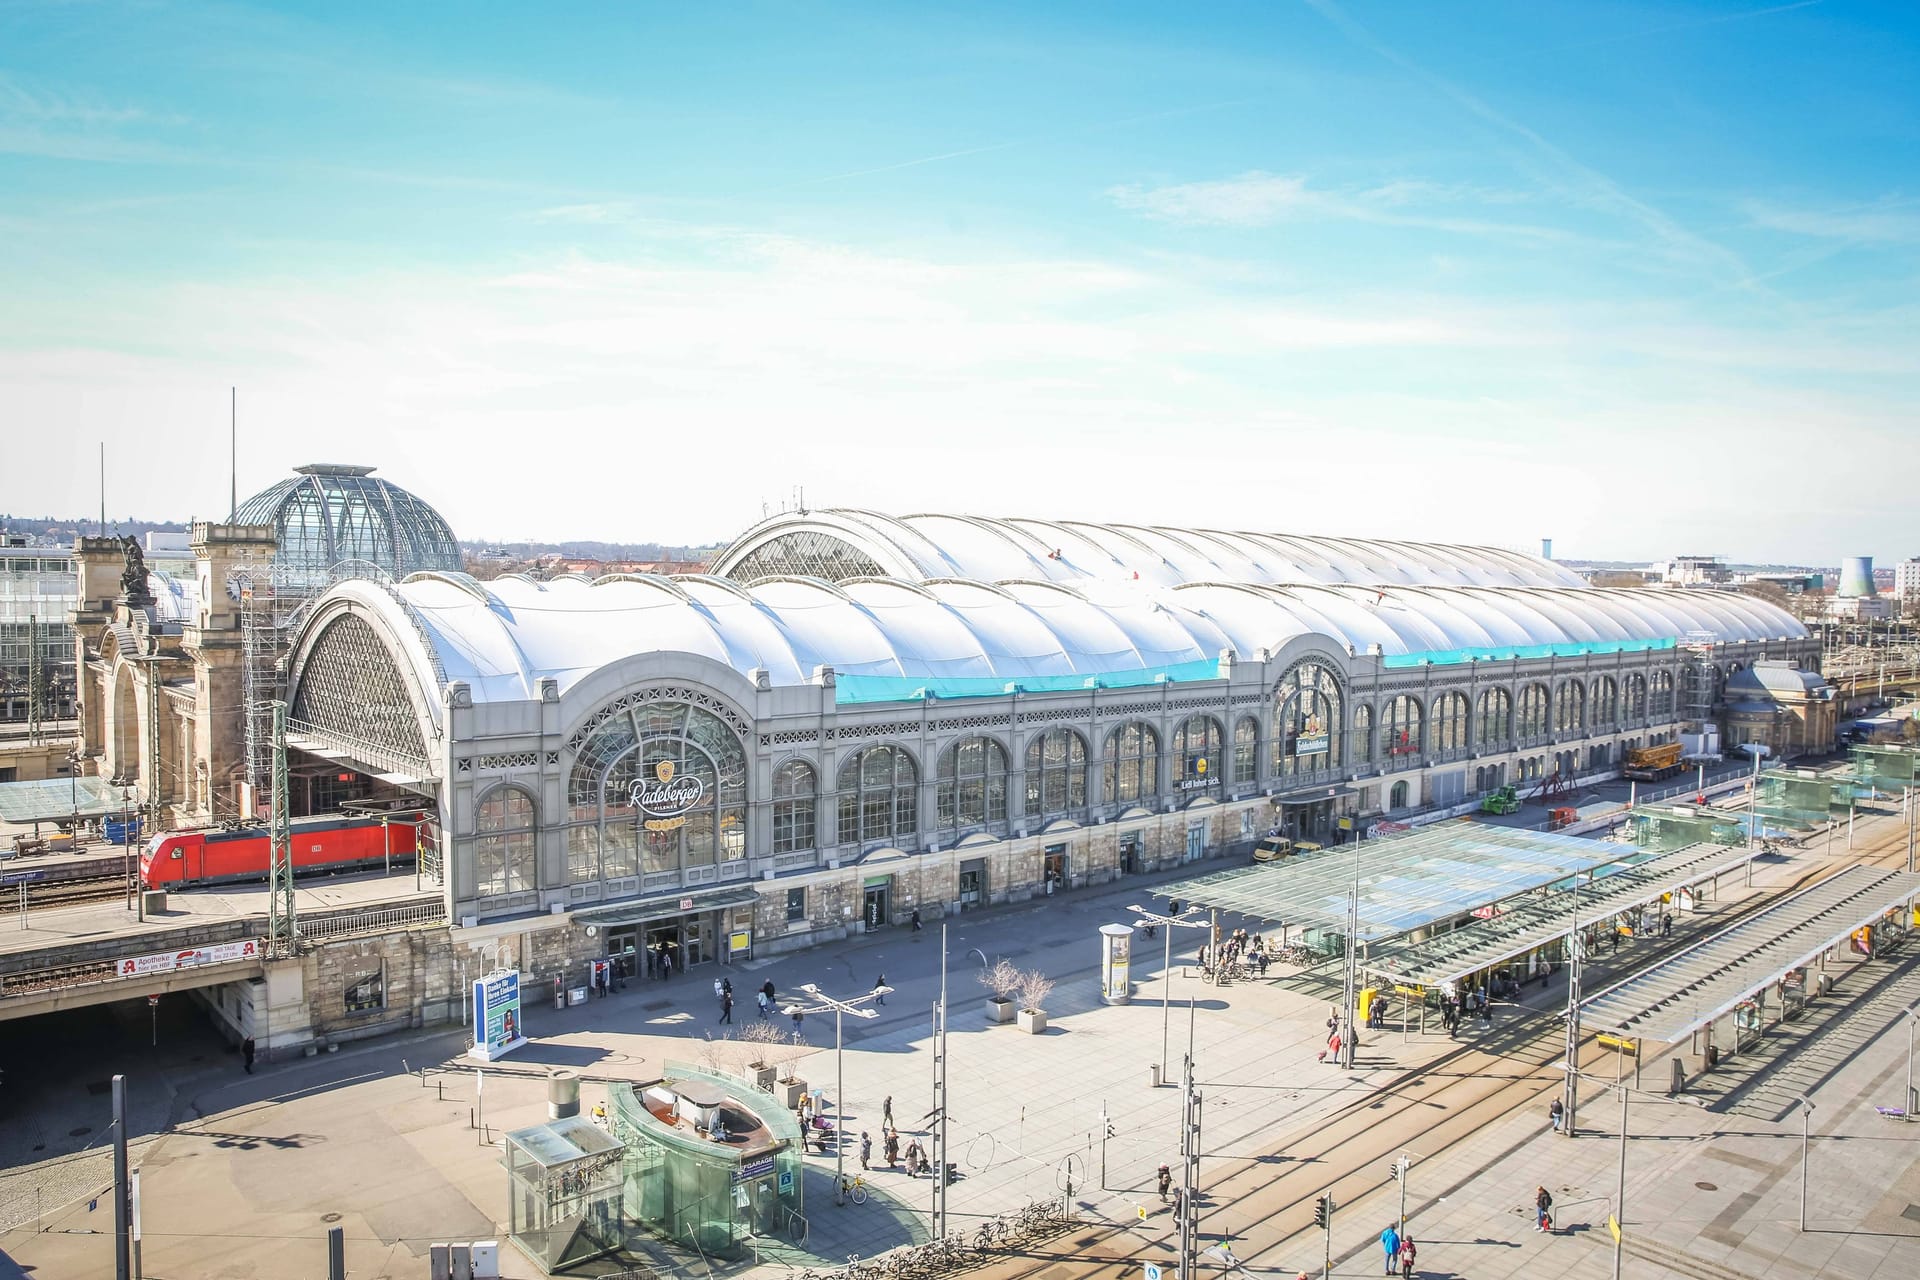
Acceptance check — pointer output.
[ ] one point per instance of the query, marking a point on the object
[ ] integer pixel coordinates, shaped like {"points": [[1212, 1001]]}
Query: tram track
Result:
{"points": [[1432, 1109]]}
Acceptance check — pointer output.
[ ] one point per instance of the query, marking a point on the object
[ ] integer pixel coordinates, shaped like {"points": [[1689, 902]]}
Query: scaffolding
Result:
{"points": [[1700, 682]]}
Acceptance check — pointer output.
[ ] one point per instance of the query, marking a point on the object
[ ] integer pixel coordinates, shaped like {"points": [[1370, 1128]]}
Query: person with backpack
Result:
{"points": [[1543, 1210], [1407, 1255], [1165, 1180]]}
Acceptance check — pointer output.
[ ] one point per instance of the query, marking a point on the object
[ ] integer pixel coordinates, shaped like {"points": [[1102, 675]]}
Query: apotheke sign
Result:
{"points": [[666, 797]]}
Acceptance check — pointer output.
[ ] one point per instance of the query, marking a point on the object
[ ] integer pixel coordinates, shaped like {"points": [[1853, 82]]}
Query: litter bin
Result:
{"points": [[563, 1094], [1154, 1075]]}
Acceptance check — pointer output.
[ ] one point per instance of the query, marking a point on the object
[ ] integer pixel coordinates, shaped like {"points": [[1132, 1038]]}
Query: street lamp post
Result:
{"points": [[1576, 952], [1913, 1019], [824, 1003], [1351, 993], [1620, 1177], [1166, 971], [1806, 1138]]}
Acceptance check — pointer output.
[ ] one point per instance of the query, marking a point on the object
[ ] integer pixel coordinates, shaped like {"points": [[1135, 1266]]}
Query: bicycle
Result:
{"points": [[854, 1189]]}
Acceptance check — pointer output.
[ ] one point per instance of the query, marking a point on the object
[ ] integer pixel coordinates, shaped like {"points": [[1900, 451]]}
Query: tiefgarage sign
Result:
{"points": [[191, 957], [665, 798]]}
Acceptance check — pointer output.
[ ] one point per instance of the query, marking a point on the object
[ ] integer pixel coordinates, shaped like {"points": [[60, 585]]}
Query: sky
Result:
{"points": [[1639, 277]]}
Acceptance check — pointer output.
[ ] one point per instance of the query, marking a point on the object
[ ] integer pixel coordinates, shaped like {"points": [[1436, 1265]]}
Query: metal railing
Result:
{"points": [[376, 920]]}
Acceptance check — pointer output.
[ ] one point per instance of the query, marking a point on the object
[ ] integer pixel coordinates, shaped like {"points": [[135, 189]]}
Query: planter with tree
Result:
{"points": [[1034, 987], [1000, 981]]}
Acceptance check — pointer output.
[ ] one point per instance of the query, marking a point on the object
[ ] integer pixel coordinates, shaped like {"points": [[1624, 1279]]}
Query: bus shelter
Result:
{"points": [[1666, 827], [563, 1201], [1719, 988]]}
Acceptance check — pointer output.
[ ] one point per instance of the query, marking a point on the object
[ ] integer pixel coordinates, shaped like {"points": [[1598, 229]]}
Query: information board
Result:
{"points": [[496, 1015]]}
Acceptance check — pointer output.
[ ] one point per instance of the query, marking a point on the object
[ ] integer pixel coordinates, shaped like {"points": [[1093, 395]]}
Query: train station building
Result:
{"points": [[852, 718]]}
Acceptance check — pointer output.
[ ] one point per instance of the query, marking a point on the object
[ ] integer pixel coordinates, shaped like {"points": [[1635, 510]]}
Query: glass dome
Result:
{"points": [[325, 514]]}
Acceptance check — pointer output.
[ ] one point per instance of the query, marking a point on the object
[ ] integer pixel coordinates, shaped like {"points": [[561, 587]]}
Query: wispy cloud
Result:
{"points": [[1883, 222]]}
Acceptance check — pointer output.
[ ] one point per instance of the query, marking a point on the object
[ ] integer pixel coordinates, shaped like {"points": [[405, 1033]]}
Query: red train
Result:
{"points": [[177, 859]]}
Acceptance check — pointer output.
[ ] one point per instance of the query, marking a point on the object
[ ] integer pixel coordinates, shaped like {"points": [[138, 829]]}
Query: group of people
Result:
{"points": [[1456, 1008], [1235, 947], [1399, 1248]]}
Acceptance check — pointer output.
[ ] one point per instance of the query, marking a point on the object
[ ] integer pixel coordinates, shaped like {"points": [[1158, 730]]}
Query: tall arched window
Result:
{"points": [[1605, 701], [1246, 746], [656, 788], [1401, 727], [1307, 706], [794, 787], [1634, 704], [1495, 722], [1397, 797], [1449, 727], [1196, 754], [972, 784], [1056, 773], [1660, 704], [879, 796], [1132, 762], [504, 860], [1532, 718], [1570, 708], [1363, 734]]}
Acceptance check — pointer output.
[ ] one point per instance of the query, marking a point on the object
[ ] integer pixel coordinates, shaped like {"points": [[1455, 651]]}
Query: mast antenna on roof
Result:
{"points": [[803, 499], [103, 488], [233, 446]]}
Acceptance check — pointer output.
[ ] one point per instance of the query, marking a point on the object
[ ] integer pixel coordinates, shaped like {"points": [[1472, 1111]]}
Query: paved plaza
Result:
{"points": [[244, 1173]]}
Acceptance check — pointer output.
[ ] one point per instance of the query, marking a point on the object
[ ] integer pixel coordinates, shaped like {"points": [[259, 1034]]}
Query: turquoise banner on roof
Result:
{"points": [[1505, 653], [856, 689]]}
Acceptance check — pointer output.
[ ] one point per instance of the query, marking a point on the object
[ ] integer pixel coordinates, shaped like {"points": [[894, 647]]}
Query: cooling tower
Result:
{"points": [[1546, 548], [1856, 577]]}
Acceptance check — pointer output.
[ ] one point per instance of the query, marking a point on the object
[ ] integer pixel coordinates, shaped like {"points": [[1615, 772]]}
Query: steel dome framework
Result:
{"points": [[325, 514]]}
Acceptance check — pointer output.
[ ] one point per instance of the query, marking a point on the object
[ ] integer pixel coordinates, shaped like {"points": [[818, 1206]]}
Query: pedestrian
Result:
{"points": [[914, 920], [893, 1149], [1165, 1181], [1666, 923], [1390, 1242], [913, 1158], [718, 991], [866, 1148], [1613, 940], [1543, 1210], [799, 1016], [1408, 1254], [767, 987], [880, 988], [1179, 1198], [1557, 1113], [726, 986], [726, 1009], [886, 1112], [1260, 959], [246, 1054], [760, 997]]}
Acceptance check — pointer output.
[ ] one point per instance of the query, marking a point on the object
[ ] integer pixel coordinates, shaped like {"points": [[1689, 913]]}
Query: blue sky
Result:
{"points": [[1639, 277]]}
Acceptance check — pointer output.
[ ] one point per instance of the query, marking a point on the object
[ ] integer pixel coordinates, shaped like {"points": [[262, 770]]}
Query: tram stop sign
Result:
{"points": [[153, 1001], [1153, 1270]]}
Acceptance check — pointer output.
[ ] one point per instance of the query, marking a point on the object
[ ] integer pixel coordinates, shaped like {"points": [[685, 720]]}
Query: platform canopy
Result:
{"points": [[1679, 996], [52, 799], [1536, 921], [1406, 882]]}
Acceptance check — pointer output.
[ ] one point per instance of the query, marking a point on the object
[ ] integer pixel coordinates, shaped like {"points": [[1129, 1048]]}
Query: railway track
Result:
{"points": [[1265, 1204]]}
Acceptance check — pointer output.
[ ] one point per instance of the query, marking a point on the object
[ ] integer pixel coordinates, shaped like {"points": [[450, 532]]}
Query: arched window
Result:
{"points": [[1495, 722], [1132, 763], [1635, 707], [879, 796], [1570, 708], [1397, 798], [1605, 700], [794, 787], [1196, 754], [1363, 734], [972, 784], [1246, 746], [656, 788], [1307, 707], [1661, 702], [1056, 773], [1401, 725], [1450, 718], [504, 860], [1531, 720]]}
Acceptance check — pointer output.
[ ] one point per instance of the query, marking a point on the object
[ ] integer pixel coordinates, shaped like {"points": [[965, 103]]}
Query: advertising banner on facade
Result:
{"points": [[496, 1015], [168, 961]]}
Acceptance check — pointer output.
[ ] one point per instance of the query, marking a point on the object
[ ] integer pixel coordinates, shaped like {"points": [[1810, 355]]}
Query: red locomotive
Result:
{"points": [[177, 859]]}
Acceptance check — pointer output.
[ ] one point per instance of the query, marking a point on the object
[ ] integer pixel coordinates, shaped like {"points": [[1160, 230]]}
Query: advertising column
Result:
{"points": [[496, 1015], [1116, 948]]}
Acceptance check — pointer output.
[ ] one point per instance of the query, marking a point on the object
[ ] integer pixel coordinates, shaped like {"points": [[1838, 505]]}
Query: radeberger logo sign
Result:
{"points": [[666, 797]]}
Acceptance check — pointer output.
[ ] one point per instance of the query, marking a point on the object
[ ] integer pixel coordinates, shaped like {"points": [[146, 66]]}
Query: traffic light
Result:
{"points": [[1322, 1211], [1110, 1129]]}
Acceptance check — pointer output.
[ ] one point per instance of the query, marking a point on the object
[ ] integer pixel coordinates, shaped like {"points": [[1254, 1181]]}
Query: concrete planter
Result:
{"points": [[762, 1076], [790, 1092], [1033, 1021], [999, 1011]]}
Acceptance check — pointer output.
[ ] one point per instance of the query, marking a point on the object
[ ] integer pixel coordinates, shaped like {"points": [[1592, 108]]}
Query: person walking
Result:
{"points": [[726, 1008], [892, 1147], [718, 990], [1165, 1180], [760, 997], [767, 987], [913, 1158], [886, 1112], [880, 988], [1408, 1255], [246, 1054], [1543, 1210], [1557, 1113], [1666, 923], [799, 1016], [866, 1149], [1390, 1242], [914, 920]]}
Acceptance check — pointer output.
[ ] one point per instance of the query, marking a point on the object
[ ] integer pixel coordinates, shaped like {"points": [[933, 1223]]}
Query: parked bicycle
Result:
{"points": [[854, 1188]]}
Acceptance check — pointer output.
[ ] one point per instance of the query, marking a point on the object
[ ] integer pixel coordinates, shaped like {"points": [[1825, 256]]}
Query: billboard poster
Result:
{"points": [[167, 962], [496, 1015]]}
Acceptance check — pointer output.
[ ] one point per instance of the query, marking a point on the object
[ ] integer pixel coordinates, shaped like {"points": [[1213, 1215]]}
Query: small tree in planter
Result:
{"points": [[764, 1047], [1000, 981], [1034, 987]]}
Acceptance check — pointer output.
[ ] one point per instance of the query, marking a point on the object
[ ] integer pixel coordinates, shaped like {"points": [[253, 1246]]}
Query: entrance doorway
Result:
{"points": [[973, 884], [875, 910], [1130, 853], [1053, 868], [623, 949], [1196, 841], [685, 941]]}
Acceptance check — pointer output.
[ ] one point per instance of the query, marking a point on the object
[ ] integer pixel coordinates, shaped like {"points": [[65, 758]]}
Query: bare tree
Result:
{"points": [[1034, 987], [1003, 979]]}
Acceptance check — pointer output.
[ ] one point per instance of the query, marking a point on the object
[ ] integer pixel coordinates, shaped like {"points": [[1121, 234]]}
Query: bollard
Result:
{"points": [[336, 1253], [440, 1087], [1154, 1075]]}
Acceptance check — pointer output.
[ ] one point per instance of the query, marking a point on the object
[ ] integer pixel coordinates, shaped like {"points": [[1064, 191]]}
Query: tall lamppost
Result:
{"points": [[1576, 952], [1806, 1138], [1620, 1178], [822, 1004], [1170, 923], [1907, 1102]]}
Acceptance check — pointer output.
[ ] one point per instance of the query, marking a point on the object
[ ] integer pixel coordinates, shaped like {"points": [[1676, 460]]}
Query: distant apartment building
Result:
{"points": [[1697, 571], [1906, 579]]}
